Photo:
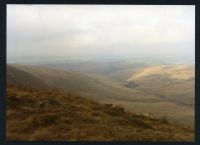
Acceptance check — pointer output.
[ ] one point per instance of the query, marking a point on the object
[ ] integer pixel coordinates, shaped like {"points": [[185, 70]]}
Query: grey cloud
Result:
{"points": [[53, 30]]}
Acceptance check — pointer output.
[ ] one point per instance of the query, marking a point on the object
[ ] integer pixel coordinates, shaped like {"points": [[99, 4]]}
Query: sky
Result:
{"points": [[100, 30]]}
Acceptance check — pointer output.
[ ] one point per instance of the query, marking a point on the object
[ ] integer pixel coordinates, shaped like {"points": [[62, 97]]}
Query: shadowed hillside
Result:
{"points": [[95, 85], [23, 78], [50, 115]]}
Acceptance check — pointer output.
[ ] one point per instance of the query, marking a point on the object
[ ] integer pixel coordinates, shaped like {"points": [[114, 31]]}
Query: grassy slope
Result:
{"points": [[106, 90], [74, 81], [174, 84], [22, 78], [50, 115]]}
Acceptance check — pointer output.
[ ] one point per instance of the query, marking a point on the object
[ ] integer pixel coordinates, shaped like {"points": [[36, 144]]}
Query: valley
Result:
{"points": [[107, 72], [157, 91]]}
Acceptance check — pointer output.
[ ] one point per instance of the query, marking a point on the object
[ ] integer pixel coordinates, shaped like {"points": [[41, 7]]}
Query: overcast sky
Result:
{"points": [[85, 30]]}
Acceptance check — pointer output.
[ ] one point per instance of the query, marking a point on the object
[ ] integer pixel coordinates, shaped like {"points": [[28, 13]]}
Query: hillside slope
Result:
{"points": [[172, 84], [137, 99], [97, 86], [21, 78], [49, 115], [175, 82]]}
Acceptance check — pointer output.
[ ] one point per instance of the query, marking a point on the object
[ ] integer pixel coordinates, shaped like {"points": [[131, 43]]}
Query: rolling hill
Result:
{"points": [[175, 82], [95, 85], [173, 105]]}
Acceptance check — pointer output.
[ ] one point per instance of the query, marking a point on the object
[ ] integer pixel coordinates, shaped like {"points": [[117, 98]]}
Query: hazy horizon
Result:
{"points": [[100, 73], [99, 31]]}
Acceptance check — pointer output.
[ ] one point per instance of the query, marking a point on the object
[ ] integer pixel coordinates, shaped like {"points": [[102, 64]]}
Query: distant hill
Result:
{"points": [[99, 86], [142, 96], [20, 77], [48, 115], [175, 82], [182, 72]]}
